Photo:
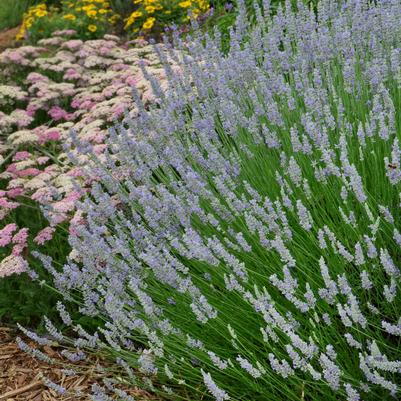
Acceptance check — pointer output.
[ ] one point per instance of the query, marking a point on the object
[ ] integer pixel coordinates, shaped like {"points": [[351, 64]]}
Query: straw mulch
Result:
{"points": [[21, 376], [7, 38]]}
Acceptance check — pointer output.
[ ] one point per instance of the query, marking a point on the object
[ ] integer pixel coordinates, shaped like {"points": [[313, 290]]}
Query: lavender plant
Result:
{"points": [[242, 240]]}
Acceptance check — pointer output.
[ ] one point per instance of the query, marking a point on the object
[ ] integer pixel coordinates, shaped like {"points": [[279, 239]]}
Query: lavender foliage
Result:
{"points": [[246, 229]]}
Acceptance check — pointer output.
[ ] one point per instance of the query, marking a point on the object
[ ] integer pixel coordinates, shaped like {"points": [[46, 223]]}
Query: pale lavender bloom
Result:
{"points": [[343, 284], [344, 252], [305, 218], [386, 214], [246, 365], [352, 342], [331, 372], [372, 252], [393, 329], [66, 318], [359, 257], [34, 352], [361, 135], [298, 362], [286, 286], [281, 367], [351, 220], [352, 394], [194, 343], [390, 291], [344, 316], [74, 356], [388, 264], [394, 174], [54, 386], [214, 390], [331, 353], [294, 172], [329, 293], [344, 193], [52, 330], [397, 237], [168, 372], [378, 360], [146, 363], [326, 319], [217, 361], [365, 280], [374, 377], [310, 296], [372, 308], [322, 242], [33, 336], [295, 140]]}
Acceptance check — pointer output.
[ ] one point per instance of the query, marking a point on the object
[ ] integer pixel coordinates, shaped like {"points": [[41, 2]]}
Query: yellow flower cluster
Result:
{"points": [[161, 13], [33, 13], [81, 15], [93, 17], [97, 11]]}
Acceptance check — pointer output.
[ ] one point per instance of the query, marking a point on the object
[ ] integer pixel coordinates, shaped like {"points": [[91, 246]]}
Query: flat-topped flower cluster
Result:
{"points": [[47, 90], [242, 241]]}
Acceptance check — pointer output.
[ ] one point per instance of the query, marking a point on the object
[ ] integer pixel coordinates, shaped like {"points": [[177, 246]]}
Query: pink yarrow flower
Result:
{"points": [[13, 193], [28, 172], [57, 113], [12, 264], [21, 156], [20, 237], [6, 234], [51, 134], [44, 235]]}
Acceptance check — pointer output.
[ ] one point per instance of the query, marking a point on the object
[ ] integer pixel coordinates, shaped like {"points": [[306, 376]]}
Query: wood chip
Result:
{"points": [[21, 390]]}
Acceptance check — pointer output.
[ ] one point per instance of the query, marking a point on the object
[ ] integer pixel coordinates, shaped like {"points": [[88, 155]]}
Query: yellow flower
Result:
{"points": [[92, 28], [70, 17], [103, 11], [91, 13], [41, 13], [136, 14], [149, 23], [150, 9], [185, 4], [113, 19]]}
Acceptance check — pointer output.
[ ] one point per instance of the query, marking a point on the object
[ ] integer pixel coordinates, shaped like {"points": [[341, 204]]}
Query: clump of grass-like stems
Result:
{"points": [[242, 240]]}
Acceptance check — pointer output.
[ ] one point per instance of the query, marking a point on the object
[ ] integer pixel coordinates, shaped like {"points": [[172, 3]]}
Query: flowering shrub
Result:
{"points": [[89, 18], [157, 14], [94, 18], [63, 84], [246, 234]]}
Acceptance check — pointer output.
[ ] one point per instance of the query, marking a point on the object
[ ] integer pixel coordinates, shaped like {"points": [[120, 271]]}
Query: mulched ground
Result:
{"points": [[21, 375], [7, 38]]}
